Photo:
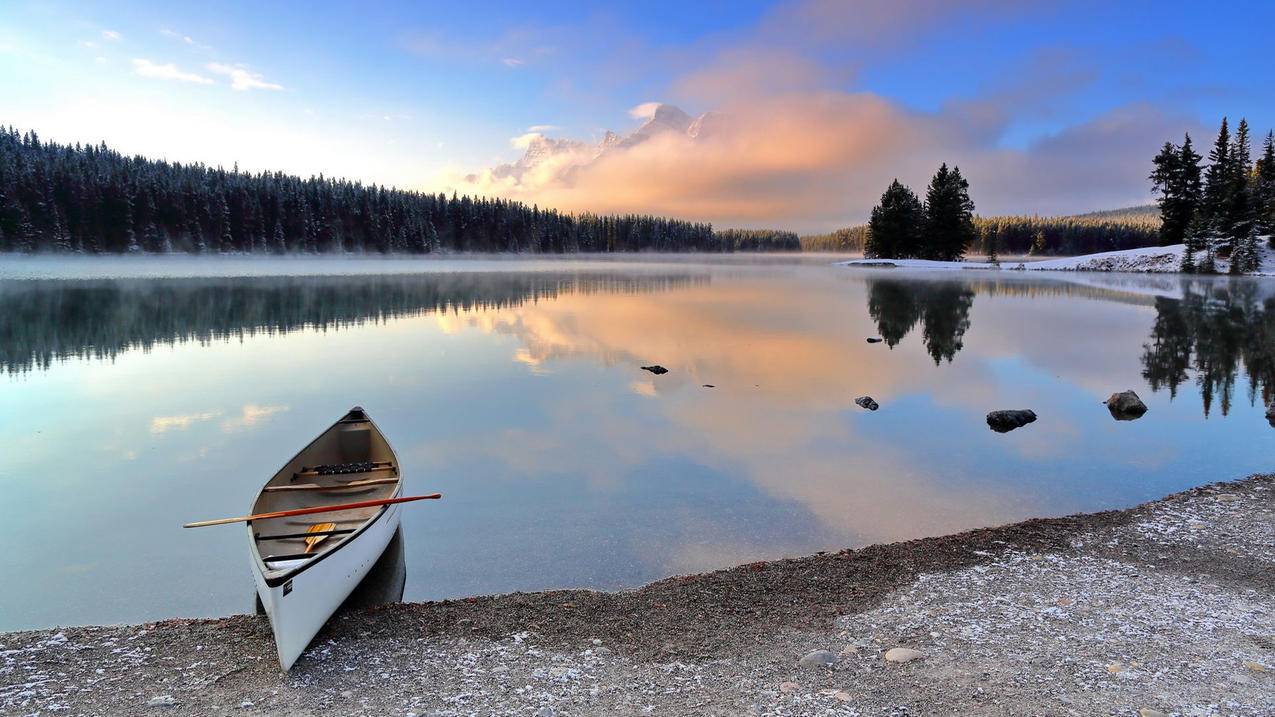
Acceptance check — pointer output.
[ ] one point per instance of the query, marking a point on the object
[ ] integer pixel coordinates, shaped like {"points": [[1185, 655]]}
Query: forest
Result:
{"points": [[1220, 209], [1025, 235], [92, 199]]}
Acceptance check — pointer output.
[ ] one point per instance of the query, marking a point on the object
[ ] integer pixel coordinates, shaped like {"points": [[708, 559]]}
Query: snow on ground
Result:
{"points": [[1156, 259]]}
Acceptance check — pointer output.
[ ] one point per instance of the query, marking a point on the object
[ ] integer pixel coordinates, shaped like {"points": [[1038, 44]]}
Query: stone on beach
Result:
{"points": [[867, 402], [161, 701], [1126, 406], [903, 654], [818, 658], [655, 369], [1008, 420], [874, 339]]}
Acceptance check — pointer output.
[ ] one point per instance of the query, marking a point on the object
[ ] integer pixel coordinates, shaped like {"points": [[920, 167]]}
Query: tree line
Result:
{"points": [[86, 198], [941, 228], [1220, 209], [50, 320]]}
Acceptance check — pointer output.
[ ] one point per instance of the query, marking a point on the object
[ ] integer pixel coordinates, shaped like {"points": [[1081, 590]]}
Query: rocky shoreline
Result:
{"points": [[1165, 608]]}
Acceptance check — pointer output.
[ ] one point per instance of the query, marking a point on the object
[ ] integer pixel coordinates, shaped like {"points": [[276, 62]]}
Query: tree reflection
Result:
{"points": [[46, 321], [1213, 331], [941, 307]]}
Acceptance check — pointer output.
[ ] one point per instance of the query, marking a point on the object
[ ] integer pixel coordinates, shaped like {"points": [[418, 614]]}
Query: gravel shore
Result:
{"points": [[1167, 608]]}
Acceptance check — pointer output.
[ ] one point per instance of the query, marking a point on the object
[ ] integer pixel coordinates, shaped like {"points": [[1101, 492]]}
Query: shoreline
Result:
{"points": [[729, 641]]}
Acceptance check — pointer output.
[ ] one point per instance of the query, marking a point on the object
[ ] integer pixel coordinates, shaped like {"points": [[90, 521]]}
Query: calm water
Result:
{"points": [[129, 406]]}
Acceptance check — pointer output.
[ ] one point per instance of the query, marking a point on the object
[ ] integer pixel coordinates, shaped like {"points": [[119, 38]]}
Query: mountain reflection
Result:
{"points": [[46, 321], [941, 307], [1214, 330]]}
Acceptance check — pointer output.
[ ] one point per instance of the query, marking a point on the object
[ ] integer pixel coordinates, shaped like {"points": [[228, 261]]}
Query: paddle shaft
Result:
{"points": [[310, 511]]}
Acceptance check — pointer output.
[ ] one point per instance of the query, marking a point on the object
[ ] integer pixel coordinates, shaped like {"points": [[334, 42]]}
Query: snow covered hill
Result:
{"points": [[1158, 259]]}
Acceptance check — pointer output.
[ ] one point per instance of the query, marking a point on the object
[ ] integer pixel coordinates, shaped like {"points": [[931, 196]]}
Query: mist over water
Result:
{"points": [[171, 392]]}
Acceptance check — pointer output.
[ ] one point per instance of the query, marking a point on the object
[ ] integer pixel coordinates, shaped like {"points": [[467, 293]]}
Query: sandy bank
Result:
{"points": [[1168, 607]]}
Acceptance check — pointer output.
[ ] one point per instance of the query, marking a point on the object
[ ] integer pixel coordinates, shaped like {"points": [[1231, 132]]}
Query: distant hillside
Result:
{"points": [[1108, 230], [1148, 213]]}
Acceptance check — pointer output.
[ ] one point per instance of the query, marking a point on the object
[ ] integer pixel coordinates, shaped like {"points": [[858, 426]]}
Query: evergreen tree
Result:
{"points": [[895, 226], [1239, 210], [1265, 189], [1177, 179], [1218, 183], [949, 216]]}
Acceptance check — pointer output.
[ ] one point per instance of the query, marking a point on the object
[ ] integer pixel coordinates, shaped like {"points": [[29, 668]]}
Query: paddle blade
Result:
{"points": [[314, 540]]}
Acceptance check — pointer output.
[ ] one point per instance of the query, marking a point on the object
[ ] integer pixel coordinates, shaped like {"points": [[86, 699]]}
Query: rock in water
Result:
{"points": [[656, 369], [1006, 421], [1126, 406], [1270, 414], [818, 658], [874, 339], [902, 654], [867, 402]]}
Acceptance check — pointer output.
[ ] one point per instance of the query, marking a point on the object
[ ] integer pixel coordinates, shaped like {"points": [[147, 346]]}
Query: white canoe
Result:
{"points": [[300, 586]]}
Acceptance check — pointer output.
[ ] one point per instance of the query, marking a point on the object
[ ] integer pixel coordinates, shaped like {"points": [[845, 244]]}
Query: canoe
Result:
{"points": [[306, 566]]}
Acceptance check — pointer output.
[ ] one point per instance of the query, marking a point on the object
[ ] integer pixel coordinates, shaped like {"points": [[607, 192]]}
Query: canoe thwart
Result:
{"points": [[337, 486]]}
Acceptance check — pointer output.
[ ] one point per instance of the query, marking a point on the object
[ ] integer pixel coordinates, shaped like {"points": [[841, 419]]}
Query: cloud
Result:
{"points": [[792, 143], [164, 424], [241, 78], [250, 415], [513, 62], [543, 128], [112, 35], [186, 39], [646, 110], [167, 71]]}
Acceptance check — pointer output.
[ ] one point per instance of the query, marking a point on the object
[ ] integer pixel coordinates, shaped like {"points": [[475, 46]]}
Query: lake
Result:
{"points": [[169, 393]]}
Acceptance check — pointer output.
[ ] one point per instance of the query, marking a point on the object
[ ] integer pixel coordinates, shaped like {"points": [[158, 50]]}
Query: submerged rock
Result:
{"points": [[1126, 406], [902, 654], [818, 658], [874, 339], [867, 402], [656, 369], [1006, 421]]}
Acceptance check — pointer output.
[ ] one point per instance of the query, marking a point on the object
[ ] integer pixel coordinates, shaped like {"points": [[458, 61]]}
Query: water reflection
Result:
{"points": [[50, 320], [1215, 330], [941, 307]]}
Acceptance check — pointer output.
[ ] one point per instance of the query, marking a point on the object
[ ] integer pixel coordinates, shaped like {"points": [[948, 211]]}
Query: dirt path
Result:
{"points": [[1168, 608]]}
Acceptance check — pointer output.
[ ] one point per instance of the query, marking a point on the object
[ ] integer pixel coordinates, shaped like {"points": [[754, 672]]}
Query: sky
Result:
{"points": [[1047, 107]]}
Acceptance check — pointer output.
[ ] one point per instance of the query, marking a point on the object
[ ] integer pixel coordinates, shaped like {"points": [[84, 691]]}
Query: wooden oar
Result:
{"points": [[338, 486], [314, 540], [309, 511]]}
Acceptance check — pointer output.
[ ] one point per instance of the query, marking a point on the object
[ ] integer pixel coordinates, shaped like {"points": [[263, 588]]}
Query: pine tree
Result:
{"points": [[949, 216], [895, 226], [1218, 183], [1265, 189], [1239, 210]]}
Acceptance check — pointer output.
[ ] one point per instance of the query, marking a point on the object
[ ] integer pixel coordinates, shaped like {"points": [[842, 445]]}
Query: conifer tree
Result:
{"points": [[949, 216], [895, 226], [1218, 183], [1239, 210], [1265, 189]]}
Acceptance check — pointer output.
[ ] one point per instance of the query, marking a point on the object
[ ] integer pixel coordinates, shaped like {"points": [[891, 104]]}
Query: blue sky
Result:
{"points": [[429, 95]]}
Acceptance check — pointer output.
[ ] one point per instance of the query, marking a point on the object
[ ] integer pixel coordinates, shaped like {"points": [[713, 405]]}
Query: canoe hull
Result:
{"points": [[299, 607]]}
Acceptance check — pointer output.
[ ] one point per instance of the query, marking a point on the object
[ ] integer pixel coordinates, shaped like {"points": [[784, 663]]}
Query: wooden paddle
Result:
{"points": [[309, 511], [314, 540]]}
